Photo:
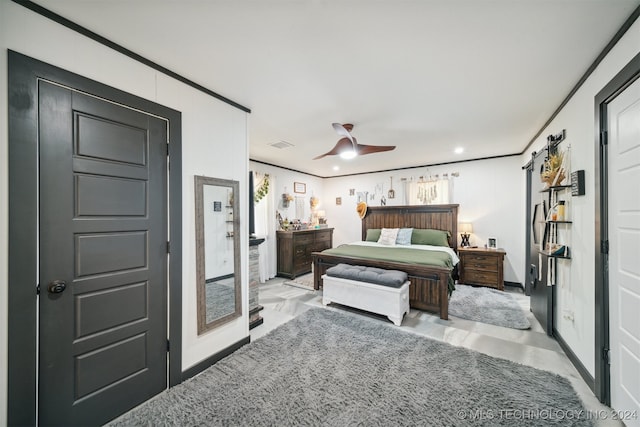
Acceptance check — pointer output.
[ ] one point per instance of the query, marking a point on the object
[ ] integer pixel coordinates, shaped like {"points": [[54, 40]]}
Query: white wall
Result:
{"points": [[576, 290], [489, 192], [214, 143]]}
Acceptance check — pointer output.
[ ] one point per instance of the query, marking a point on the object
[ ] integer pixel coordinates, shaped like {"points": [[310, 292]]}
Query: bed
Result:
{"points": [[429, 288]]}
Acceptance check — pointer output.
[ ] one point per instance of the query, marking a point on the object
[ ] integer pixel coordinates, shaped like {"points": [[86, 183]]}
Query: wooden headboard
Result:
{"points": [[439, 217]]}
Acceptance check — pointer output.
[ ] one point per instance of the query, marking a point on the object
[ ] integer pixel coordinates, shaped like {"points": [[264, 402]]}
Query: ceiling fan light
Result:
{"points": [[348, 154]]}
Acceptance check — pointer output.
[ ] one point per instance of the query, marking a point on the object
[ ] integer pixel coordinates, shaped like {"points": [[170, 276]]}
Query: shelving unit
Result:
{"points": [[555, 245], [229, 221]]}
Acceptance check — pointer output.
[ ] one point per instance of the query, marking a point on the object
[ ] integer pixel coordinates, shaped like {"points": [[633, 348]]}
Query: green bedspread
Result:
{"points": [[396, 254]]}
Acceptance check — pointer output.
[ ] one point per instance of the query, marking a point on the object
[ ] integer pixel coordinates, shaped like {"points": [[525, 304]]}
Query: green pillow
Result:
{"points": [[428, 236], [373, 234]]}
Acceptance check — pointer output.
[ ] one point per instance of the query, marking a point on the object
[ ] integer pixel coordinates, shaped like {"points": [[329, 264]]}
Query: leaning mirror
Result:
{"points": [[217, 252]]}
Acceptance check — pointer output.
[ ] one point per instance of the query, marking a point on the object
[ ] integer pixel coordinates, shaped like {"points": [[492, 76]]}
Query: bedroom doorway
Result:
{"points": [[89, 266], [103, 259], [624, 245], [618, 237]]}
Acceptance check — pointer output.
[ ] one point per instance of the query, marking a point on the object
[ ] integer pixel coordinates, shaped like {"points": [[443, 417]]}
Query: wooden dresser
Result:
{"points": [[295, 248], [479, 266]]}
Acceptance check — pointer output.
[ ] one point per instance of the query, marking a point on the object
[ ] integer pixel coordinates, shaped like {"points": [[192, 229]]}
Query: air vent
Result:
{"points": [[281, 144]]}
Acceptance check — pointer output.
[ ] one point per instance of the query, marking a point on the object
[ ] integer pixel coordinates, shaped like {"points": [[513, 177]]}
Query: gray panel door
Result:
{"points": [[103, 233], [624, 248]]}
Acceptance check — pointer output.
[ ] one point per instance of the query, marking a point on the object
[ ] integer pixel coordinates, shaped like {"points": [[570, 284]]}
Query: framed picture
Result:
{"points": [[492, 243], [299, 187], [338, 200]]}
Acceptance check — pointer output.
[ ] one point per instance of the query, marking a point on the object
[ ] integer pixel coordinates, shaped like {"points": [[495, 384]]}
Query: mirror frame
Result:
{"points": [[200, 182]]}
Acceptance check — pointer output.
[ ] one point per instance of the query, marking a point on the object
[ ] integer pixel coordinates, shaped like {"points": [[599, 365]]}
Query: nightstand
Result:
{"points": [[480, 266]]}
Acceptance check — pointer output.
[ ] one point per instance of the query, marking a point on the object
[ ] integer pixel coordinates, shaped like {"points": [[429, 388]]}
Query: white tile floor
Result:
{"points": [[531, 347]]}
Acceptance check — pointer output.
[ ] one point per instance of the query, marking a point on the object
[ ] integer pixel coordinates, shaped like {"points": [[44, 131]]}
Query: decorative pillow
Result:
{"points": [[428, 236], [388, 236], [404, 236], [373, 234]]}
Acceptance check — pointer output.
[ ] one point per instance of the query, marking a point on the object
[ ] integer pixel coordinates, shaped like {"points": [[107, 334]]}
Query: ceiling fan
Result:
{"points": [[347, 147]]}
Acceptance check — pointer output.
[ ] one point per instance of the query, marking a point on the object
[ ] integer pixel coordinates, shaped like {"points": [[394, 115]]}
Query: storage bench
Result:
{"points": [[379, 291]]}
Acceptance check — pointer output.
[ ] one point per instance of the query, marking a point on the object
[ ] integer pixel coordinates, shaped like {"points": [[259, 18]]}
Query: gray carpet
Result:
{"points": [[487, 306], [303, 282], [332, 368]]}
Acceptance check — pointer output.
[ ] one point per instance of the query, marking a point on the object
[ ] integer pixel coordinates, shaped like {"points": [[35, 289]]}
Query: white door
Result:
{"points": [[624, 251]]}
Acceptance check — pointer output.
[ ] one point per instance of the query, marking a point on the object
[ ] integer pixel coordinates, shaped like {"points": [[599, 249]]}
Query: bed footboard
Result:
{"points": [[429, 285]]}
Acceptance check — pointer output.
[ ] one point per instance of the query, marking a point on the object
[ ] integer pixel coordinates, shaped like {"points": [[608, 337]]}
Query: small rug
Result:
{"points": [[487, 305], [303, 282], [330, 368]]}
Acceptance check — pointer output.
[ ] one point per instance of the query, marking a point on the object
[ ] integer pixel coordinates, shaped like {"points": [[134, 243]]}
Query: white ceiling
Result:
{"points": [[425, 75]]}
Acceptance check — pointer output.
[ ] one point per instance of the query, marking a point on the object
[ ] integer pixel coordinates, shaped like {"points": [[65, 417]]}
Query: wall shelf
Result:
{"points": [[547, 254], [555, 188]]}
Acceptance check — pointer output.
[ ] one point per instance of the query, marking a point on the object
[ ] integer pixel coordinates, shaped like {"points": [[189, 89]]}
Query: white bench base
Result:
{"points": [[390, 302]]}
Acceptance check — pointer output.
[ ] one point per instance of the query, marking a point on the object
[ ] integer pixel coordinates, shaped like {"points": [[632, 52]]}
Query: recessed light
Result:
{"points": [[336, 168], [458, 150]]}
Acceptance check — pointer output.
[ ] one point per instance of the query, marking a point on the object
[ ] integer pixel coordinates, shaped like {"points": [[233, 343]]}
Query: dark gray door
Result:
{"points": [[103, 257], [541, 294]]}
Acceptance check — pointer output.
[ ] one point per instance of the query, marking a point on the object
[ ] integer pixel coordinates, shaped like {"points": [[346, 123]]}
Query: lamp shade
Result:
{"points": [[465, 227]]}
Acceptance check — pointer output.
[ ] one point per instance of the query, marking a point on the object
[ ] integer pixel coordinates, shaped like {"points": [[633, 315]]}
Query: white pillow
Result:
{"points": [[388, 236]]}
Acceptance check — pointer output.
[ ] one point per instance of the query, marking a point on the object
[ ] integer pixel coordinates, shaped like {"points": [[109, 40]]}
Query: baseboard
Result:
{"points": [[258, 320], [217, 279], [582, 370], [514, 285], [196, 369]]}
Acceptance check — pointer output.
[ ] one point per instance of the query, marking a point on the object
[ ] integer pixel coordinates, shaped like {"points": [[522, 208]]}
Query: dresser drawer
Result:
{"points": [[479, 277], [481, 262], [323, 236], [303, 239], [302, 264]]}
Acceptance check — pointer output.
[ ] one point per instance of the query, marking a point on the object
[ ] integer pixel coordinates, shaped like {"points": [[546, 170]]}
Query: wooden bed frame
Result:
{"points": [[429, 284]]}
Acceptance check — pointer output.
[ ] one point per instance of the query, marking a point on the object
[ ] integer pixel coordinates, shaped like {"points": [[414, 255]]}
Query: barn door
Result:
{"points": [[103, 257]]}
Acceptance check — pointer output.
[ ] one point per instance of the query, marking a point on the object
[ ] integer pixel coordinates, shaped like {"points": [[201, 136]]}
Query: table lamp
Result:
{"points": [[465, 231]]}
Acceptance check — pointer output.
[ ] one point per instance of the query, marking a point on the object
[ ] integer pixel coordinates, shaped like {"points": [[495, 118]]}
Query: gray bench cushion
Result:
{"points": [[379, 276]]}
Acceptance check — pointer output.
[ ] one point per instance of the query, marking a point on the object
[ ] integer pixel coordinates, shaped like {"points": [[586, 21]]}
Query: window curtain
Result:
{"points": [[431, 192], [265, 221]]}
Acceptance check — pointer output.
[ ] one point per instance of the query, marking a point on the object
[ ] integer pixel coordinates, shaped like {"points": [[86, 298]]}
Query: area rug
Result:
{"points": [[487, 305], [331, 368], [303, 282]]}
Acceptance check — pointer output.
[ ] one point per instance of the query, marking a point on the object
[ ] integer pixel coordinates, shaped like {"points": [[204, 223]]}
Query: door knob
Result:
{"points": [[57, 287]]}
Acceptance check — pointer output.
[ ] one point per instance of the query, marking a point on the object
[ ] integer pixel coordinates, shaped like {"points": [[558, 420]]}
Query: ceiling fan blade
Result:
{"points": [[370, 149], [343, 130], [341, 145]]}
